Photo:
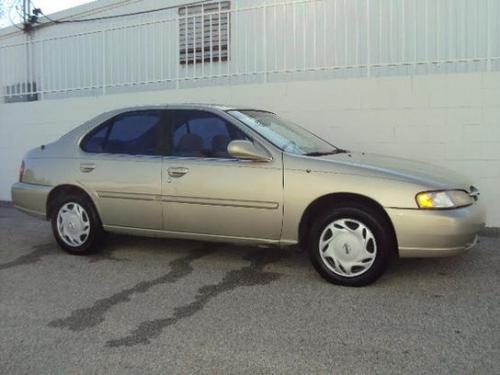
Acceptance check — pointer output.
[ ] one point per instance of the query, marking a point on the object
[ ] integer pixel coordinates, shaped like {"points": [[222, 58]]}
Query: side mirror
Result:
{"points": [[246, 150]]}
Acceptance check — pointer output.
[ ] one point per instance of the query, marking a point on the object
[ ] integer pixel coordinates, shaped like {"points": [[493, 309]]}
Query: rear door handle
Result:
{"points": [[87, 167], [177, 171]]}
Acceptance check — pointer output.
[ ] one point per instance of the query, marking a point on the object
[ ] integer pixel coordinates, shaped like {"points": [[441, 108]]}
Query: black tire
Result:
{"points": [[374, 221], [95, 238]]}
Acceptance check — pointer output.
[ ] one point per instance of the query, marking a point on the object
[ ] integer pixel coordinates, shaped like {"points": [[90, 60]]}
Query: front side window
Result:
{"points": [[133, 133], [284, 134], [201, 134]]}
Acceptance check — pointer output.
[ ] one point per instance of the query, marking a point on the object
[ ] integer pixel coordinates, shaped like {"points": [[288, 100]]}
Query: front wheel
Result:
{"points": [[76, 225], [350, 245]]}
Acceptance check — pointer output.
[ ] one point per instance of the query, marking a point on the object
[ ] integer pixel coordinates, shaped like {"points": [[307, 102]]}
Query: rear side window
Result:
{"points": [[95, 142], [133, 133], [201, 134]]}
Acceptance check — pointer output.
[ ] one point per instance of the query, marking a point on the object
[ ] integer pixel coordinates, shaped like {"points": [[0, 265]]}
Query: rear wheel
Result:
{"points": [[350, 245], [76, 225]]}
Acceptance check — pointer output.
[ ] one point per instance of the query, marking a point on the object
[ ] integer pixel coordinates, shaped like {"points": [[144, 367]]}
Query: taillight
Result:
{"points": [[21, 171]]}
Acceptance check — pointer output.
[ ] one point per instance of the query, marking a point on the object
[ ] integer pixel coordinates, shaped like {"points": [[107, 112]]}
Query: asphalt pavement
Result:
{"points": [[179, 307]]}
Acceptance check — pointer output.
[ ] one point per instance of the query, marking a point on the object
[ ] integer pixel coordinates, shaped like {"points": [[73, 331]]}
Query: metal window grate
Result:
{"points": [[21, 92], [204, 32]]}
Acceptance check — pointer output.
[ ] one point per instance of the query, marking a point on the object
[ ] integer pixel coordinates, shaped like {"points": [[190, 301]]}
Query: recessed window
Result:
{"points": [[204, 32]]}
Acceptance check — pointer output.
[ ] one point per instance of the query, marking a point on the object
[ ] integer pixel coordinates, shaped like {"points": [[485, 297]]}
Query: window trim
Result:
{"points": [[160, 146]]}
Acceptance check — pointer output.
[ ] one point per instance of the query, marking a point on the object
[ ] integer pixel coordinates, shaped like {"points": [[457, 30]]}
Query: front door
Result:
{"points": [[121, 165], [206, 191]]}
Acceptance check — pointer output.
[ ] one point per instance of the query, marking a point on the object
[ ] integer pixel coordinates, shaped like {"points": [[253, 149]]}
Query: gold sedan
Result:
{"points": [[216, 173]]}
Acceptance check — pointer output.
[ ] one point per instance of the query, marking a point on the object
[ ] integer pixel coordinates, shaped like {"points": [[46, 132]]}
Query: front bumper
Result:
{"points": [[437, 233], [30, 198]]}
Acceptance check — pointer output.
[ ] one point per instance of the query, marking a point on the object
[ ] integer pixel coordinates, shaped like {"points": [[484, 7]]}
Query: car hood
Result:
{"points": [[402, 169]]}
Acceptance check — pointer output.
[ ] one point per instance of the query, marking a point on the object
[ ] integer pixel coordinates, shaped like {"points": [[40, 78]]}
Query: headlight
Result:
{"points": [[443, 199]]}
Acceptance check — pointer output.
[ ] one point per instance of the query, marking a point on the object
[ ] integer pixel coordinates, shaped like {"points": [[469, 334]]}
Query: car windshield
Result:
{"points": [[284, 134]]}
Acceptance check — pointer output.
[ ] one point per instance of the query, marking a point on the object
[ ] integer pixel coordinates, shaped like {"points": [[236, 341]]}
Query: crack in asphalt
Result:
{"points": [[39, 251], [89, 317], [250, 275], [103, 256]]}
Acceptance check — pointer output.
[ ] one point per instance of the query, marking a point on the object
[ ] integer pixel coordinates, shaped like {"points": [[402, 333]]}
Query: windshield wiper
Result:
{"points": [[318, 153]]}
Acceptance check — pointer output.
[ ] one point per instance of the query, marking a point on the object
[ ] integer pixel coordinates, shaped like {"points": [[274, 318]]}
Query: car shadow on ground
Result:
{"points": [[295, 260], [118, 247]]}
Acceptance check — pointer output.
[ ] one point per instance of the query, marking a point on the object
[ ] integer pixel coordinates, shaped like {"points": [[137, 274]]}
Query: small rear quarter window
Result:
{"points": [[94, 142]]}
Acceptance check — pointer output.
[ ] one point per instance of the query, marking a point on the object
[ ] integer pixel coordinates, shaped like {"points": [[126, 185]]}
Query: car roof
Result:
{"points": [[220, 107]]}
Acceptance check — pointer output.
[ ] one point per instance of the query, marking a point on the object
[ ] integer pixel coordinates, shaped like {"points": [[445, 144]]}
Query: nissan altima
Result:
{"points": [[244, 175]]}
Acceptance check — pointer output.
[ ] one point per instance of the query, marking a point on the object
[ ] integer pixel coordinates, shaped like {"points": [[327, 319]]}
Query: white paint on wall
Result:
{"points": [[451, 120], [270, 40]]}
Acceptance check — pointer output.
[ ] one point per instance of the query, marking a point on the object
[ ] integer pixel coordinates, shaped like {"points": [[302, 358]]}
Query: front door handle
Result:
{"points": [[177, 171], [87, 167]]}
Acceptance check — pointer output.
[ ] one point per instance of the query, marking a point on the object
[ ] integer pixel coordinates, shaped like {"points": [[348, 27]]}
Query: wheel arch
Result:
{"points": [[65, 189], [328, 201]]}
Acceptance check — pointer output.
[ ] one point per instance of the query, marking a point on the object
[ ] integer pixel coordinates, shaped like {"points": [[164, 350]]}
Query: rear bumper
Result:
{"points": [[438, 233], [30, 198]]}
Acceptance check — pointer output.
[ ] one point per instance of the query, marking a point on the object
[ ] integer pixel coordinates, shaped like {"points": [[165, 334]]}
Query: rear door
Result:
{"points": [[121, 165], [206, 191]]}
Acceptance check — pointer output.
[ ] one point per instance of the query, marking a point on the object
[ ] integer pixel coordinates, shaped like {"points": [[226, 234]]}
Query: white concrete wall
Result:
{"points": [[451, 120], [302, 40]]}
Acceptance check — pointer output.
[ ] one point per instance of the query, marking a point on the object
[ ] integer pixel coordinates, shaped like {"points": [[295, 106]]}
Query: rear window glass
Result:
{"points": [[135, 133], [95, 142]]}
